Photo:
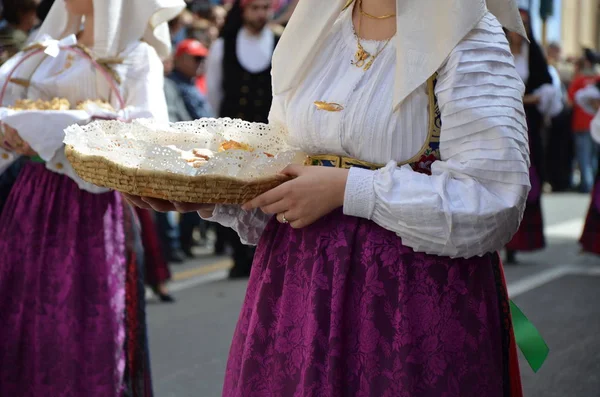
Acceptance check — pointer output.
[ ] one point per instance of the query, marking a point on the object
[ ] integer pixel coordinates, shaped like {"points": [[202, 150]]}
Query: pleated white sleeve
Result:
{"points": [[473, 202]]}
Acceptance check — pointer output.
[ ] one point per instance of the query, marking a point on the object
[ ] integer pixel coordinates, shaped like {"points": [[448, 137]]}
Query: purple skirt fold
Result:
{"points": [[62, 289]]}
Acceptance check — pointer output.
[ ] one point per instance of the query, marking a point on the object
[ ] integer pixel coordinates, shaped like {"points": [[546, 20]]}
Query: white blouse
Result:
{"points": [[73, 77], [473, 202]]}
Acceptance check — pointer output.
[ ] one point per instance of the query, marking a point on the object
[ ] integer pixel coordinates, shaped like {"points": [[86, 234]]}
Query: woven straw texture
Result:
{"points": [[143, 159]]}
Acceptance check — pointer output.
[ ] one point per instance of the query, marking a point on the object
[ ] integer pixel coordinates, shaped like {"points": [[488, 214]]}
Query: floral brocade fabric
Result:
{"points": [[342, 308]]}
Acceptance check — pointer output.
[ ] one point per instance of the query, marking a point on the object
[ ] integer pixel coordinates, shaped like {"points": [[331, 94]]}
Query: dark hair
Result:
{"points": [[44, 8], [14, 9], [234, 20], [538, 66], [202, 8], [591, 56]]}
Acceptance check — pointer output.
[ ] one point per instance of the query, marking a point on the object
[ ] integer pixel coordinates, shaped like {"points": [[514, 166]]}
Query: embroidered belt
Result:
{"points": [[327, 160]]}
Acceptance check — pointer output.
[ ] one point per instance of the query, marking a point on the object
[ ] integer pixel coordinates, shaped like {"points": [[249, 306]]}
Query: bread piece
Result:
{"points": [[235, 145]]}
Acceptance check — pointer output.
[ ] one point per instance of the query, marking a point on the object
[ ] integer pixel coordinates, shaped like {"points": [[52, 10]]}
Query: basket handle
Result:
{"points": [[110, 80]]}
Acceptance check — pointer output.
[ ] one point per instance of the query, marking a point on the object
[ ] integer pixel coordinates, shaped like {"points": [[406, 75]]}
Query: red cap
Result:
{"points": [[191, 47]]}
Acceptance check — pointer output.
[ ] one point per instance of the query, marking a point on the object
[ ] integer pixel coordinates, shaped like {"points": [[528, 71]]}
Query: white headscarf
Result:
{"points": [[117, 24], [426, 33]]}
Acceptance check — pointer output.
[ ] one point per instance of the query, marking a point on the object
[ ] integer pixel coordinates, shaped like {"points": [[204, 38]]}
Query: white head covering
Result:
{"points": [[117, 24], [426, 33]]}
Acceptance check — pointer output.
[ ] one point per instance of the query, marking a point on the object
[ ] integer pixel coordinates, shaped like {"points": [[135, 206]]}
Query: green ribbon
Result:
{"points": [[37, 159], [528, 338]]}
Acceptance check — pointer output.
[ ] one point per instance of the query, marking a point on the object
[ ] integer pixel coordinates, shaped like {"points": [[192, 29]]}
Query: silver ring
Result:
{"points": [[283, 220]]}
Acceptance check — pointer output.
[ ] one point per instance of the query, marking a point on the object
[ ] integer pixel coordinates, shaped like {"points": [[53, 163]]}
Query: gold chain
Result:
{"points": [[366, 14], [363, 59]]}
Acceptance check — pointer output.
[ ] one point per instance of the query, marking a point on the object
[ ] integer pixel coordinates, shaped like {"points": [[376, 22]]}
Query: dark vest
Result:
{"points": [[246, 95]]}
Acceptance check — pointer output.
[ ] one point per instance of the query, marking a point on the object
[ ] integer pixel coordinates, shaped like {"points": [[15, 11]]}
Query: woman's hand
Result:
{"points": [[313, 193], [10, 140], [205, 210], [531, 99]]}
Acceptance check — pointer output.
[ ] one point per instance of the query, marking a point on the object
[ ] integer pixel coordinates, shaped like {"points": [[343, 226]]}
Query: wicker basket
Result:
{"points": [[209, 189], [143, 158]]}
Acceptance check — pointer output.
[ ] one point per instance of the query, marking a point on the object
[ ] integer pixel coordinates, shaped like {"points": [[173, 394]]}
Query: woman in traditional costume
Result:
{"points": [[541, 100], [589, 100], [379, 273], [71, 295]]}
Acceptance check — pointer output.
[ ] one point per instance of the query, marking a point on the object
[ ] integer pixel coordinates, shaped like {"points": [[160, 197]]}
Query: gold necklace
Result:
{"points": [[366, 14], [362, 58]]}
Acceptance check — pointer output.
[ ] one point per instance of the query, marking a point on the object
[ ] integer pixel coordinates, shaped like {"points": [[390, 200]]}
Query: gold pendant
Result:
{"points": [[328, 106], [360, 57], [368, 65]]}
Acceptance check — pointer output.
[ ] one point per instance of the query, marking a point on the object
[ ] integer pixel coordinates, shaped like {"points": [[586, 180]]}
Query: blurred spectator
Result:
{"points": [[219, 16], [178, 27], [558, 148], [188, 65], [239, 86], [286, 12], [204, 31], [564, 68], [586, 150], [20, 17]]}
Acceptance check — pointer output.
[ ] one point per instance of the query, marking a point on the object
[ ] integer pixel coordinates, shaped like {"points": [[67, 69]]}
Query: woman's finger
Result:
{"points": [[270, 197], [136, 201], [159, 205], [190, 207], [276, 208], [286, 217]]}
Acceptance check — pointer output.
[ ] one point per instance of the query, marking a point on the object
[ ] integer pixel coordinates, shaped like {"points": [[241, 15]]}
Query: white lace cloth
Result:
{"points": [[473, 201]]}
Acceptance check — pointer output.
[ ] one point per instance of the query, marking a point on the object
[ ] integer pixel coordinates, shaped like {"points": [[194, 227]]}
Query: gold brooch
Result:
{"points": [[329, 106]]}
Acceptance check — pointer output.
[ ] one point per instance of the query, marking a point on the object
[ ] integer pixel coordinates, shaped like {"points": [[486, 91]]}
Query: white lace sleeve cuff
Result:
{"points": [[359, 197], [248, 224]]}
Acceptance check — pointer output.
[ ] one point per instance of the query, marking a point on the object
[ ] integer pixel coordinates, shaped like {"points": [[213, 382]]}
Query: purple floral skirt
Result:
{"points": [[342, 308], [590, 238], [62, 290]]}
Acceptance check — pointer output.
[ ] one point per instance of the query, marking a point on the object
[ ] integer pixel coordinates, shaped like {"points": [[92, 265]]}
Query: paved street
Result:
{"points": [[558, 289]]}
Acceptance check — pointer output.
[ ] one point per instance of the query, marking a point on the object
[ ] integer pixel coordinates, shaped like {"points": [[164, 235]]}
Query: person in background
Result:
{"points": [[72, 304], [541, 100], [21, 18], [206, 33], [555, 58], [589, 100], [189, 63], [178, 27], [558, 153], [219, 16], [238, 79], [586, 150], [286, 12], [157, 271]]}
